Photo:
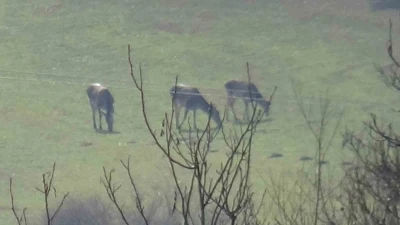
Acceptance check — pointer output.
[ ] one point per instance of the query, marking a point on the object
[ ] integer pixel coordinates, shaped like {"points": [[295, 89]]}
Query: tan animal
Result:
{"points": [[247, 92], [101, 99], [190, 98]]}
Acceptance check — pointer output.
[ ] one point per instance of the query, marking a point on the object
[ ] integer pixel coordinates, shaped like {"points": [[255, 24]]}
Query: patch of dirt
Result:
{"points": [[202, 22], [5, 113], [131, 142], [337, 33], [86, 143], [305, 10], [57, 111], [3, 173], [308, 9], [30, 118], [250, 1], [7, 208], [175, 3], [169, 27], [275, 155], [46, 10], [305, 158]]}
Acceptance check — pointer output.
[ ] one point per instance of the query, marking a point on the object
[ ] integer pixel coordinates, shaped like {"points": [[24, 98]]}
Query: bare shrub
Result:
{"points": [[309, 198], [210, 194], [371, 193], [88, 211], [47, 190]]}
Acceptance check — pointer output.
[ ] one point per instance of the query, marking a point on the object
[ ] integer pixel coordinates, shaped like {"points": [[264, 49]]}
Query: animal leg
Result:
{"points": [[194, 119], [246, 113], [231, 102], [177, 112], [184, 117], [228, 104], [94, 119], [100, 119]]}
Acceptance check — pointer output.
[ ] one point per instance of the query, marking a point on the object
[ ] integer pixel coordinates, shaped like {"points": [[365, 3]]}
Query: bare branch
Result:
{"points": [[111, 190], [48, 186], [18, 218], [138, 200], [139, 85]]}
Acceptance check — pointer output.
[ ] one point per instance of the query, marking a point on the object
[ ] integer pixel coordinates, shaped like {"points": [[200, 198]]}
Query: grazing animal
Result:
{"points": [[247, 92], [100, 99], [191, 99]]}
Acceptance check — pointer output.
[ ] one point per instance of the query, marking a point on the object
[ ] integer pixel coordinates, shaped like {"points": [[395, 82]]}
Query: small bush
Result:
{"points": [[89, 211], [95, 211]]}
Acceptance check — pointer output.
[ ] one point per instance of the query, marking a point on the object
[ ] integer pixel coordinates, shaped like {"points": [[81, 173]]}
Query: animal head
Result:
{"points": [[215, 115], [110, 110], [265, 104], [109, 119]]}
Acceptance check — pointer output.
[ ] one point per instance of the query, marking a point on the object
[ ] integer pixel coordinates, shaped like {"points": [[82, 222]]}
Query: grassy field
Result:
{"points": [[49, 54]]}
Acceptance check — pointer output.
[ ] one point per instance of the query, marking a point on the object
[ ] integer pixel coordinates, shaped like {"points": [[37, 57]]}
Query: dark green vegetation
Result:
{"points": [[48, 58]]}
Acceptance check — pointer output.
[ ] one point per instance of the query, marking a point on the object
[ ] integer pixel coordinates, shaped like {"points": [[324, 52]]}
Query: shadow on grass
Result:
{"points": [[93, 210], [106, 132], [194, 131], [275, 155], [377, 5], [238, 122], [241, 122], [323, 162], [346, 163], [305, 158]]}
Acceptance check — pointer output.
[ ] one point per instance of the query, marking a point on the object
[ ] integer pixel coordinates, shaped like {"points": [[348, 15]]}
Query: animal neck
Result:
{"points": [[210, 110], [261, 101], [264, 104], [257, 96], [205, 106]]}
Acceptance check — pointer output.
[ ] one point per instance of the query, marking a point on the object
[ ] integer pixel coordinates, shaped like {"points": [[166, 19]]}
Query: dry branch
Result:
{"points": [[204, 199]]}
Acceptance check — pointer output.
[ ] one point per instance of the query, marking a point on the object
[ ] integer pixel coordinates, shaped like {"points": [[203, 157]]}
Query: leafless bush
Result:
{"points": [[47, 189], [212, 195], [95, 211], [372, 189], [88, 211], [373, 184], [369, 193], [309, 199]]}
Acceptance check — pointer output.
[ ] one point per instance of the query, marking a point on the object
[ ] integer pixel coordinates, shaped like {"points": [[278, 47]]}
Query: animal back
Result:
{"points": [[242, 89], [182, 93], [105, 100]]}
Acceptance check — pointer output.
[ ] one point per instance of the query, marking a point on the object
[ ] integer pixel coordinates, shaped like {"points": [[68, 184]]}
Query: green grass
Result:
{"points": [[47, 61]]}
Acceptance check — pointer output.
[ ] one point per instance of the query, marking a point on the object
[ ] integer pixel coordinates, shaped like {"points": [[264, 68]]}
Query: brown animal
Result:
{"points": [[191, 99], [247, 92], [100, 99]]}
